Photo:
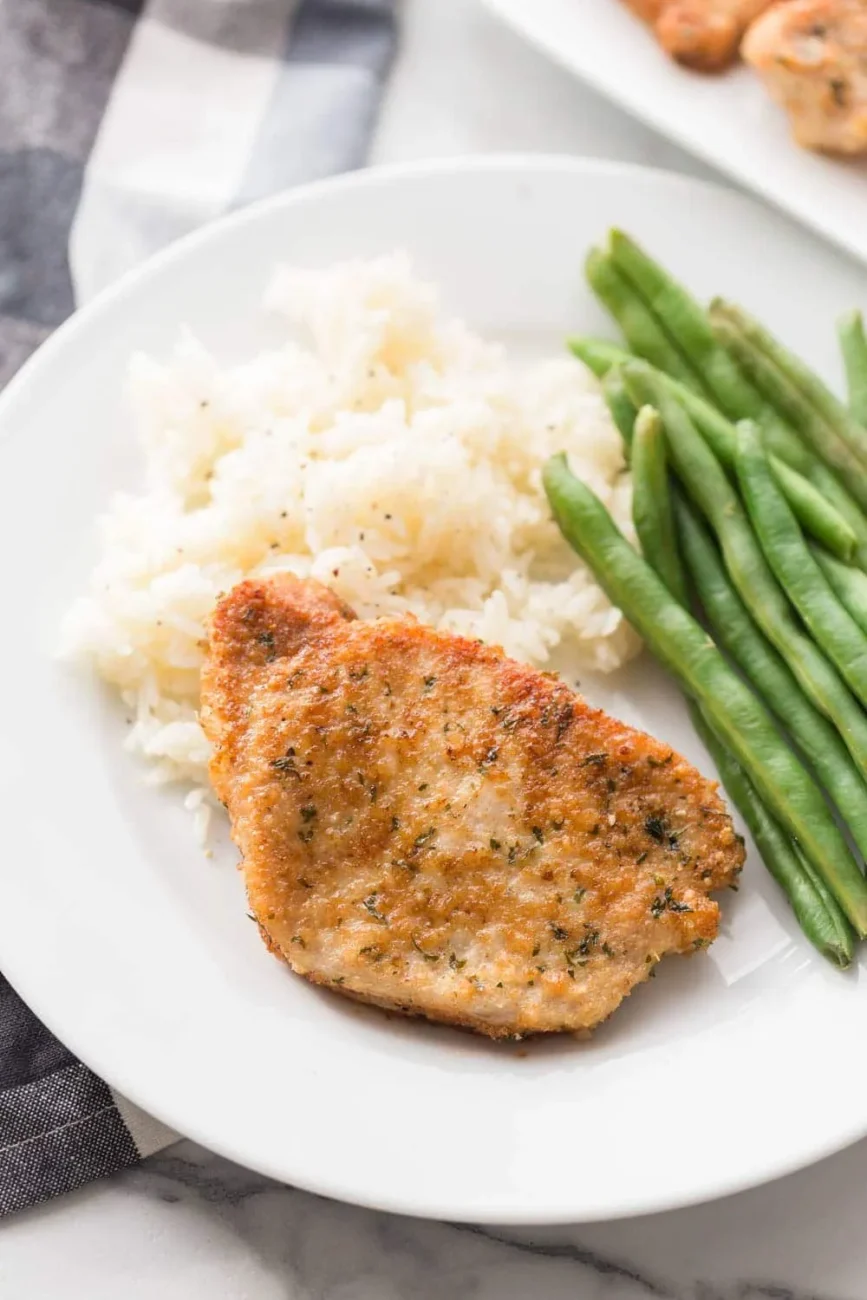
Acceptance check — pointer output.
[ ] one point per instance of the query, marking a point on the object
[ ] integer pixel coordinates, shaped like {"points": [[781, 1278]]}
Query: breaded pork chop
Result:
{"points": [[812, 57], [702, 34], [432, 827]]}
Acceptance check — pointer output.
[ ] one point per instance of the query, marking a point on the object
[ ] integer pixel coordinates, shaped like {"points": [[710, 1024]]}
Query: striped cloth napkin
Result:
{"points": [[124, 124]]}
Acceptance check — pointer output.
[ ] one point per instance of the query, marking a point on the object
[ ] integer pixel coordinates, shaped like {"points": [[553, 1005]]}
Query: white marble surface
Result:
{"points": [[187, 1225]]}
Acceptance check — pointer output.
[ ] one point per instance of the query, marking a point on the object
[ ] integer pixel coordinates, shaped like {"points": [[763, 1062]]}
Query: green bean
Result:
{"points": [[779, 385], [733, 629], [782, 541], [640, 328], [686, 322], [706, 483], [736, 396], [839, 919], [815, 908], [620, 406], [717, 431], [848, 583], [822, 520], [812, 511], [853, 345], [682, 318], [785, 444], [833, 491], [819, 518], [714, 427], [816, 392], [654, 522], [732, 390], [741, 720], [788, 449], [598, 355]]}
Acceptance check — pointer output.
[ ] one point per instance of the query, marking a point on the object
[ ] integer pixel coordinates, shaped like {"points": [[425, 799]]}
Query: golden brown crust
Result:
{"points": [[647, 10], [256, 624], [700, 34], [435, 828], [812, 57]]}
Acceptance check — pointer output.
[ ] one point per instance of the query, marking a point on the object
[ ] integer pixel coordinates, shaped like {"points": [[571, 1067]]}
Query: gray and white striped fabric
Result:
{"points": [[124, 124]]}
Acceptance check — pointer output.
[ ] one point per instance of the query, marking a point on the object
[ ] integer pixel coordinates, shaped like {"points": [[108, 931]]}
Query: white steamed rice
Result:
{"points": [[390, 453]]}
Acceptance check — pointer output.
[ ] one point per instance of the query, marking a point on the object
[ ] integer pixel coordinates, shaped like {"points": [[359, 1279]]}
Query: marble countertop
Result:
{"points": [[187, 1225]]}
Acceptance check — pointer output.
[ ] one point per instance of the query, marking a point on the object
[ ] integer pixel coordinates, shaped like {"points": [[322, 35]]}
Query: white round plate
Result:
{"points": [[728, 1069]]}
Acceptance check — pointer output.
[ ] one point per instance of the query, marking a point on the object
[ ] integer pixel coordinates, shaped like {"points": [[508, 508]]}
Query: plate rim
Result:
{"points": [[30, 374], [496, 160]]}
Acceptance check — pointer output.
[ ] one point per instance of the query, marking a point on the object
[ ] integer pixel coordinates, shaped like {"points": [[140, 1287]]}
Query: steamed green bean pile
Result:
{"points": [[750, 507]]}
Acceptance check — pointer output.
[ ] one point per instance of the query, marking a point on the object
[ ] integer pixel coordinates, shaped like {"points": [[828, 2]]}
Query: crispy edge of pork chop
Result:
{"points": [[260, 625]]}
